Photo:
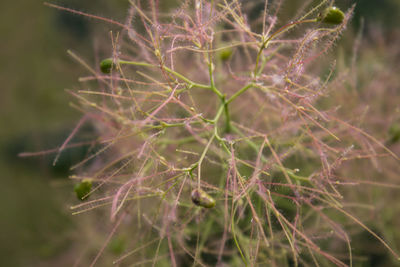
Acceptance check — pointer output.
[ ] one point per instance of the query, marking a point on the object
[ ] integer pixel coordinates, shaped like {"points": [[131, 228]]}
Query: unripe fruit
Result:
{"points": [[106, 65], [202, 199], [225, 54], [331, 15], [394, 132], [83, 188]]}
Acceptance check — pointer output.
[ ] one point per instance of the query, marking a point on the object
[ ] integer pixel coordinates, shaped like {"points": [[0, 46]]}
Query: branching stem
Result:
{"points": [[275, 34], [176, 74]]}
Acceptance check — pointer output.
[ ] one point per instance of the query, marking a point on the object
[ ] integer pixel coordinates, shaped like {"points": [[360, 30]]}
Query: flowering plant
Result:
{"points": [[217, 141]]}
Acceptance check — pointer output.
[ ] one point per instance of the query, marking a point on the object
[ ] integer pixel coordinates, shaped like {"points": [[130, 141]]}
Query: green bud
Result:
{"points": [[331, 15], [202, 199], [394, 133], [106, 65], [83, 188], [225, 54]]}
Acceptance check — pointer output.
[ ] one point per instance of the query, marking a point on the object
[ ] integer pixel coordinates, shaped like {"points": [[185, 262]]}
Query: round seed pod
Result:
{"points": [[331, 15], [106, 65], [83, 188], [202, 199], [394, 133], [225, 54]]}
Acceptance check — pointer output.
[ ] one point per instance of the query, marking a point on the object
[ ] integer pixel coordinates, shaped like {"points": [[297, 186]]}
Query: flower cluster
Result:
{"points": [[217, 140]]}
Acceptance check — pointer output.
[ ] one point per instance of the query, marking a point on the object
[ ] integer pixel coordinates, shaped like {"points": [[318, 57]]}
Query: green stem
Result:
{"points": [[211, 74], [228, 118], [215, 135], [235, 238], [238, 93], [226, 106], [202, 158], [176, 74]]}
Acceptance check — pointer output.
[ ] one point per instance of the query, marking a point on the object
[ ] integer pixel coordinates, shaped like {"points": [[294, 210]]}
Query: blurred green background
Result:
{"points": [[36, 228], [35, 222]]}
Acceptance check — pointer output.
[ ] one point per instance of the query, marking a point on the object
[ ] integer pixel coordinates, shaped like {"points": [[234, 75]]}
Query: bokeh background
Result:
{"points": [[36, 227]]}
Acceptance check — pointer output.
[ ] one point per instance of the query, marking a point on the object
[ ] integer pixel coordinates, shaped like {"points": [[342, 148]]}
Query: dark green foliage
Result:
{"points": [[73, 25]]}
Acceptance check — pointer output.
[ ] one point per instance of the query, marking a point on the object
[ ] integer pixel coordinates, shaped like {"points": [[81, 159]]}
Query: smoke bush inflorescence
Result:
{"points": [[218, 142]]}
